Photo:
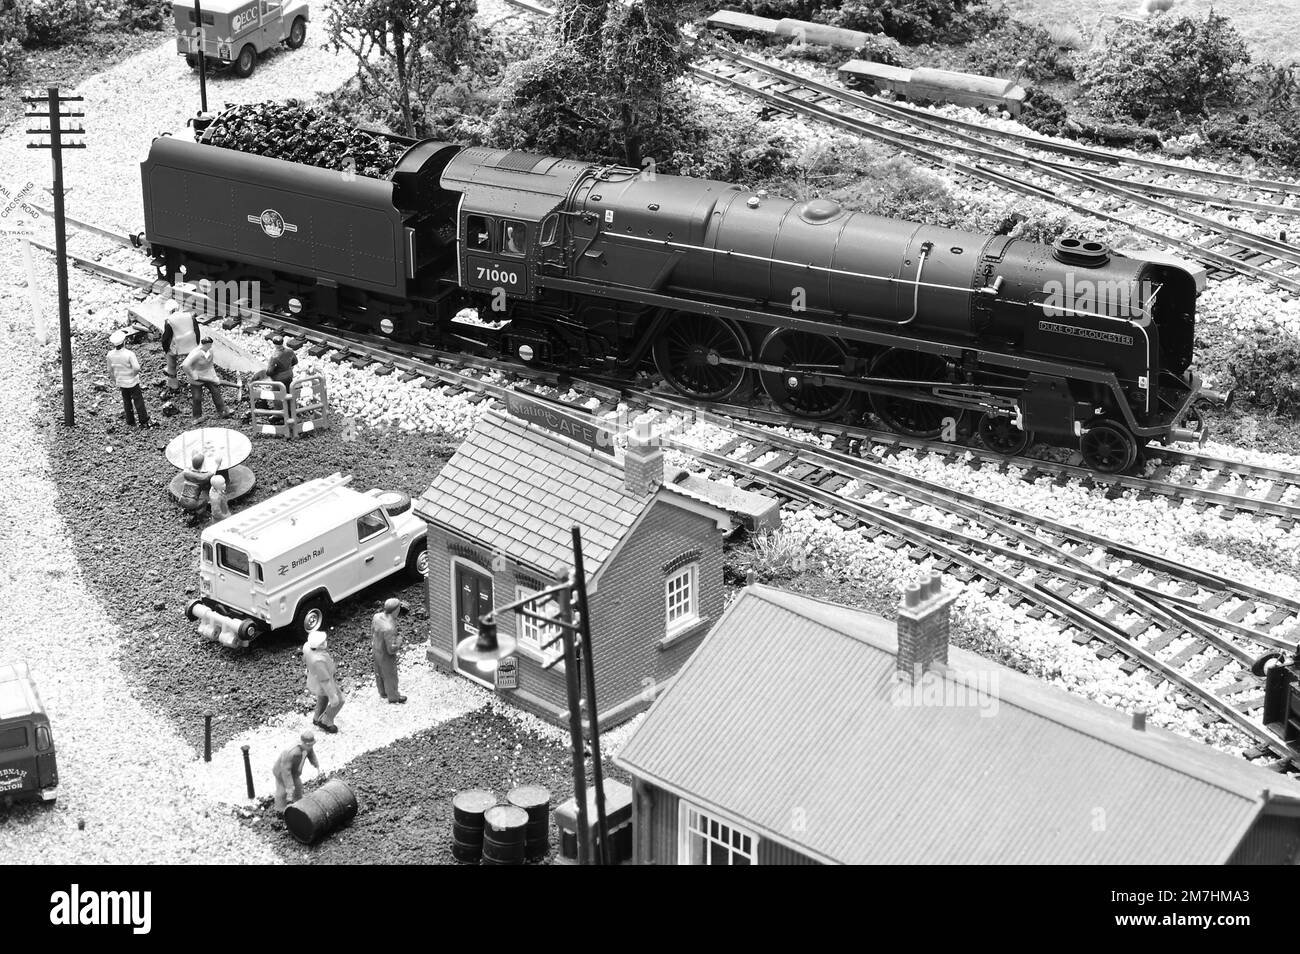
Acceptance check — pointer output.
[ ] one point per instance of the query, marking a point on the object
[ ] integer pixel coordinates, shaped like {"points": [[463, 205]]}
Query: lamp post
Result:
{"points": [[488, 648], [53, 115]]}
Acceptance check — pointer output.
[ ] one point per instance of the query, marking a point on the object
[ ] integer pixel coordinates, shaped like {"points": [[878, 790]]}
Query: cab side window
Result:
{"points": [[478, 233], [231, 559], [514, 238], [371, 524]]}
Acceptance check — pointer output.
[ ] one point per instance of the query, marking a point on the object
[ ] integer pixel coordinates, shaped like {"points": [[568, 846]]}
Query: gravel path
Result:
{"points": [[121, 765]]}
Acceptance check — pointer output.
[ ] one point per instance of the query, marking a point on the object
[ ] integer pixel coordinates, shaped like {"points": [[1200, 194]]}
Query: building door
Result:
{"points": [[473, 590]]}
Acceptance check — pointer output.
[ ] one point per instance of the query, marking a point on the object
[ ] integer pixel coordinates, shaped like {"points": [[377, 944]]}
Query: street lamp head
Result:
{"points": [[485, 650]]}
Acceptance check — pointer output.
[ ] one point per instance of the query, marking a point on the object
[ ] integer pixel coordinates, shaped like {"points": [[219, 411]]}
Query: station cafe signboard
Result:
{"points": [[576, 423]]}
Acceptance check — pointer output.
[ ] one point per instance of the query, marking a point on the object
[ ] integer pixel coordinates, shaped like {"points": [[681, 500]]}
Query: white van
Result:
{"points": [[289, 559]]}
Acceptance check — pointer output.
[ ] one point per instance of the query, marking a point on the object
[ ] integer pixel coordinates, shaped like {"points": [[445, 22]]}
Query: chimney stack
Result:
{"points": [[923, 627], [643, 464]]}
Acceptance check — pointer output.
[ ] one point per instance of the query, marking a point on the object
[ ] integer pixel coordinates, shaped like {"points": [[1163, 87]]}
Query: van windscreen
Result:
{"points": [[15, 738]]}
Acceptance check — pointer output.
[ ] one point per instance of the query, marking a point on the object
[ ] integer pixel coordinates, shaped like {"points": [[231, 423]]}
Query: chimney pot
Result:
{"points": [[912, 595], [1140, 720], [750, 577]]}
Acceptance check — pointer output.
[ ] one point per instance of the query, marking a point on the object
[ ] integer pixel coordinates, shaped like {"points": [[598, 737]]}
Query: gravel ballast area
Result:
{"points": [[404, 791]]}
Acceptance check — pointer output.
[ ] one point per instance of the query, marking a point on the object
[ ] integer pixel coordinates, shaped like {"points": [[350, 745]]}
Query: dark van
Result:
{"points": [[27, 768]]}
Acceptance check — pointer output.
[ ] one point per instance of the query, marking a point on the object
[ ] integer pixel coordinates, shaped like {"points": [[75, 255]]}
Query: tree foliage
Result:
{"points": [[405, 49], [599, 84], [1165, 64]]}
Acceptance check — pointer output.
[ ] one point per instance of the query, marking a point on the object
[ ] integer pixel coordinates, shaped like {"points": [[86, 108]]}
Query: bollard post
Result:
{"points": [[248, 771], [207, 736]]}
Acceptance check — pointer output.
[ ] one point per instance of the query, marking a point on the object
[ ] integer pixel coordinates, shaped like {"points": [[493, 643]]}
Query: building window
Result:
{"points": [[708, 840], [534, 634], [370, 524], [681, 596]]}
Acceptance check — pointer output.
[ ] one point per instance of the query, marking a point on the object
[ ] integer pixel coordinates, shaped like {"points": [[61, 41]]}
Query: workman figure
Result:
{"points": [[220, 506], [201, 370], [194, 484], [180, 336], [384, 647], [279, 367], [320, 681], [124, 369], [288, 770]]}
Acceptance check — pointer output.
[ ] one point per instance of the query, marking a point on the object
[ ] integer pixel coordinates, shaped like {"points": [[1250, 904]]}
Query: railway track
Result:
{"points": [[1224, 249], [1188, 627]]}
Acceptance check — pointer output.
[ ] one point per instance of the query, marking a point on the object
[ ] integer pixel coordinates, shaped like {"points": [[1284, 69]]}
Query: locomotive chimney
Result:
{"points": [[923, 627], [643, 464]]}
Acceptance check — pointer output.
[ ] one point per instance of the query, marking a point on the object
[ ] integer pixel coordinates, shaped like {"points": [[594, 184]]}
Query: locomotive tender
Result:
{"points": [[587, 266]]}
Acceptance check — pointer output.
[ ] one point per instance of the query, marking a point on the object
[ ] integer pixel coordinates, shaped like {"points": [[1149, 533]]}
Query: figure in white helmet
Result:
{"points": [[321, 682]]}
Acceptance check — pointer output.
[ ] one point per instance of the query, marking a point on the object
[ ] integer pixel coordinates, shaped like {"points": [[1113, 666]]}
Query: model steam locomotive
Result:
{"points": [[584, 266]]}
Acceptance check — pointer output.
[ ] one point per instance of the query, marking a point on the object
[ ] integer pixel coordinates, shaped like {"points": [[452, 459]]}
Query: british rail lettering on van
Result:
{"points": [[285, 568]]}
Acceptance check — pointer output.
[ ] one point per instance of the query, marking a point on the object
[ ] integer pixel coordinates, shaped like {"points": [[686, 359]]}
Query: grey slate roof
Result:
{"points": [[518, 489], [787, 711]]}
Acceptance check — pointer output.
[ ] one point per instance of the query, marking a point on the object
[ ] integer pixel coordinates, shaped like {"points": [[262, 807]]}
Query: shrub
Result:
{"points": [[917, 21], [1275, 137], [143, 14], [719, 145], [11, 59], [1043, 113], [1000, 52], [13, 22], [775, 555], [50, 22], [1165, 64], [1265, 363]]}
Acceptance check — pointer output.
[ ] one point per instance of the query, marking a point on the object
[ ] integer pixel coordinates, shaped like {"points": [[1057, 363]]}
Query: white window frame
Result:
{"points": [[687, 813], [692, 615], [531, 634]]}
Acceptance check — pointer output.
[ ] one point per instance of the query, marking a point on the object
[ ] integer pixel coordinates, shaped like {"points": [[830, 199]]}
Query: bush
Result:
{"points": [[1000, 52], [1043, 113], [143, 14], [774, 555], [917, 21], [51, 22], [1265, 363], [1274, 137], [11, 60], [883, 183], [1165, 64]]}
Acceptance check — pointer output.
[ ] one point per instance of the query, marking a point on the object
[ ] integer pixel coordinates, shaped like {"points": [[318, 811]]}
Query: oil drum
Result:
{"points": [[536, 801], [314, 816], [467, 810], [503, 835]]}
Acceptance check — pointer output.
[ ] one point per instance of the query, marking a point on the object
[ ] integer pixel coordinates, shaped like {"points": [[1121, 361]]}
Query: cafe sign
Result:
{"points": [[574, 423]]}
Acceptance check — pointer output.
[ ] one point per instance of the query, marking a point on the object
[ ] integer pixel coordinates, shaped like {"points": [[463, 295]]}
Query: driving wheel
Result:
{"points": [[687, 354], [790, 390], [913, 418]]}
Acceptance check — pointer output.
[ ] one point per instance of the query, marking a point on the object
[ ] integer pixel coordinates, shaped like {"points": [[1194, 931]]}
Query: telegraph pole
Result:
{"points": [[53, 103], [202, 34]]}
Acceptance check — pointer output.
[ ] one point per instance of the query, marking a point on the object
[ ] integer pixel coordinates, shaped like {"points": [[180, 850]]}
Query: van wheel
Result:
{"points": [[192, 60], [311, 614], [247, 62], [417, 561], [249, 630], [297, 33]]}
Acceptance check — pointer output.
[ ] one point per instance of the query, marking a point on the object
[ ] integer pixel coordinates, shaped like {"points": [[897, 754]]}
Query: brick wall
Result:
{"points": [[627, 613]]}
